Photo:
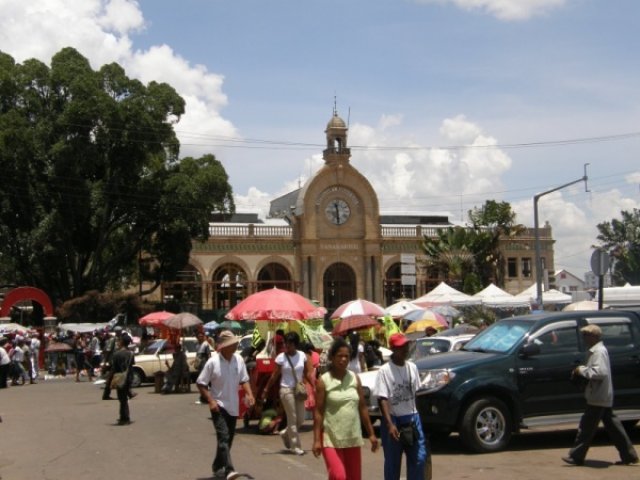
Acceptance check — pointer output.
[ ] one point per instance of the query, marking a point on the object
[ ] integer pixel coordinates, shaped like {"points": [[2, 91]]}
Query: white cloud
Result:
{"points": [[101, 32], [507, 10]]}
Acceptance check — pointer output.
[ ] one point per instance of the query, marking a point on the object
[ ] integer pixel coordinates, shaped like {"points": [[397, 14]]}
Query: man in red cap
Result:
{"points": [[401, 429]]}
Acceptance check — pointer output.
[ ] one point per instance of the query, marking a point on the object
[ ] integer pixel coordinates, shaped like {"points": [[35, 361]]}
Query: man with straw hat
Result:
{"points": [[218, 384]]}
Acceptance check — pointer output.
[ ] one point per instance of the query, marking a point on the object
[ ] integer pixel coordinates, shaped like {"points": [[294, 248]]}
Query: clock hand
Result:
{"points": [[337, 214]]}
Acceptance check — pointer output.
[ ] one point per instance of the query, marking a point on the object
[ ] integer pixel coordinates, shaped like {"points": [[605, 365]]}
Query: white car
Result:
{"points": [[152, 359], [419, 348]]}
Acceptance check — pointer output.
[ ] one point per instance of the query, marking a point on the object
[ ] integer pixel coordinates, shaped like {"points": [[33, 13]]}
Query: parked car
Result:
{"points": [[516, 374], [419, 348], [152, 359]]}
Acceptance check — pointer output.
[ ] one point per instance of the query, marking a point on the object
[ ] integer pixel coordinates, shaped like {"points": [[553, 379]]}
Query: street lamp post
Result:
{"points": [[536, 227]]}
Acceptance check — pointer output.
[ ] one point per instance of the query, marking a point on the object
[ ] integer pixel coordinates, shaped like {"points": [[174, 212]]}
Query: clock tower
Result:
{"points": [[337, 228]]}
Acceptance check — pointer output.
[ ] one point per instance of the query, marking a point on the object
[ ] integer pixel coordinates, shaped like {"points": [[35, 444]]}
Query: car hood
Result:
{"points": [[454, 360], [368, 378]]}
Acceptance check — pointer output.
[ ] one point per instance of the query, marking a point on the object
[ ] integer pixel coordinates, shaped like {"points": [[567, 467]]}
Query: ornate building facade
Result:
{"points": [[329, 242]]}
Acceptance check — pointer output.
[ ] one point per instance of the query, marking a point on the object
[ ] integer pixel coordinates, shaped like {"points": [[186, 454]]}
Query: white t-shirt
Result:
{"points": [[286, 375], [18, 355], [224, 378], [398, 384], [354, 363], [4, 357]]}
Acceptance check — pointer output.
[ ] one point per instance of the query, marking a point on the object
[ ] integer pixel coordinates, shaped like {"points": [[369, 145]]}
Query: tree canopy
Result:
{"points": [[470, 257], [92, 178], [621, 239]]}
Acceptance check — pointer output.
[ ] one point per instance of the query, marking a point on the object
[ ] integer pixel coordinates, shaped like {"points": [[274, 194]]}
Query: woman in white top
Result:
{"points": [[291, 368]]}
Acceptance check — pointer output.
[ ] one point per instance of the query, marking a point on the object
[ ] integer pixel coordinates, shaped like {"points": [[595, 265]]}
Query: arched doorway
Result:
{"points": [[23, 294], [274, 275], [393, 289], [229, 286], [339, 285]]}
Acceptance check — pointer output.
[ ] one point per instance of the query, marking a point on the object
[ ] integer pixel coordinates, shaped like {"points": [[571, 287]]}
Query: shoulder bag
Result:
{"points": [[299, 391]]}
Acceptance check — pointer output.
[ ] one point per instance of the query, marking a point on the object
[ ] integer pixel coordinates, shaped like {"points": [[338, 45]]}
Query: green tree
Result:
{"points": [[497, 223], [92, 177], [621, 239], [451, 253]]}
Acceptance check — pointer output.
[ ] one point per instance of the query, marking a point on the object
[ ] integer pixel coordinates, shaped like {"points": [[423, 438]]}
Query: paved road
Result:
{"points": [[61, 430]]}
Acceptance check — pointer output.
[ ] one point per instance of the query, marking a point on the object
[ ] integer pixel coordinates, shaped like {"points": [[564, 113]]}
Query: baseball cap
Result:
{"points": [[397, 340]]}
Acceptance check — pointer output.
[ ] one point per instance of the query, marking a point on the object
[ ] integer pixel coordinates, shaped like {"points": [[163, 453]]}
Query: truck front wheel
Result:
{"points": [[486, 425]]}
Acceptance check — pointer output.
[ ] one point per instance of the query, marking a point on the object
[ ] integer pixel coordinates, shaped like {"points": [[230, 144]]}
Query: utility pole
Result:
{"points": [[584, 179]]}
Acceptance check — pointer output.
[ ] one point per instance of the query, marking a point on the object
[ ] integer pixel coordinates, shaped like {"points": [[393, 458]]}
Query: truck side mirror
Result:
{"points": [[530, 349]]}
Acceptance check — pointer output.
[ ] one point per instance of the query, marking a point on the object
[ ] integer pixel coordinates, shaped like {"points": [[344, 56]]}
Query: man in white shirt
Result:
{"points": [[17, 357], [5, 363], [218, 384], [35, 357], [396, 386]]}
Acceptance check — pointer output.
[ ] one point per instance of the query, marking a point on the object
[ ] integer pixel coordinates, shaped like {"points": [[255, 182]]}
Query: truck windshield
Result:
{"points": [[499, 337]]}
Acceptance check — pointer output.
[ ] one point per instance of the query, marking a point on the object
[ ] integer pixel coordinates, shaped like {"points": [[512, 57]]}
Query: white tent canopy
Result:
{"points": [[627, 296], [494, 297], [548, 296], [443, 294], [400, 308]]}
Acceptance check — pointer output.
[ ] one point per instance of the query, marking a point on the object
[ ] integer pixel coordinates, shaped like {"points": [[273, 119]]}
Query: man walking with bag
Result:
{"points": [[121, 377], [401, 430]]}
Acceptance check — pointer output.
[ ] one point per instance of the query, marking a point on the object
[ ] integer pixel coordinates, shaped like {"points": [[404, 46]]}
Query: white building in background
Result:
{"points": [[591, 281], [568, 283]]}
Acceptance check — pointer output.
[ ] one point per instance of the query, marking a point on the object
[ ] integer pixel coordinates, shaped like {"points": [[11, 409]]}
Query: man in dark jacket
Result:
{"points": [[121, 364]]}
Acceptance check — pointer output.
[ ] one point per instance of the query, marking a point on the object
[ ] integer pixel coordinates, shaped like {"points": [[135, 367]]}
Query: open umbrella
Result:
{"points": [[231, 325], [212, 325], [276, 305], [420, 326], [399, 308], [446, 310], [583, 305], [358, 307], [155, 319], [419, 315], [182, 320], [353, 322]]}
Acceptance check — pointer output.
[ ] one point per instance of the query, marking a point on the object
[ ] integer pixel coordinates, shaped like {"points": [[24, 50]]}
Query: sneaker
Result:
{"points": [[285, 439], [232, 475], [633, 461], [298, 451]]}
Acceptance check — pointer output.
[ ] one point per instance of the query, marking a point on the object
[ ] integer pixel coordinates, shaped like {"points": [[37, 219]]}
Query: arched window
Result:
{"points": [[229, 286], [339, 285], [393, 289], [274, 275]]}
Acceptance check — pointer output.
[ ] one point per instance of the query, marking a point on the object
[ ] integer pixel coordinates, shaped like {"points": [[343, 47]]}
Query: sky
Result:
{"points": [[449, 102]]}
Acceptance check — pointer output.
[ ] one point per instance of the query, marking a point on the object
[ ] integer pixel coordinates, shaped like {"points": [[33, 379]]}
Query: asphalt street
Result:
{"points": [[61, 430]]}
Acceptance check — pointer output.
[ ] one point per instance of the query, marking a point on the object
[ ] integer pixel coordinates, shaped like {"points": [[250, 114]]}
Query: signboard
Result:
{"points": [[408, 258], [408, 280], [408, 269], [599, 262]]}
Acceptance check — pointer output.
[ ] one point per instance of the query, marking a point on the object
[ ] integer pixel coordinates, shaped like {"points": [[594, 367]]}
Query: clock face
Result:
{"points": [[337, 211]]}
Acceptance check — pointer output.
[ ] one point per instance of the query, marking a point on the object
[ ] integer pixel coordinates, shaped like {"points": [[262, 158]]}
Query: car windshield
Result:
{"points": [[426, 346], [499, 337]]}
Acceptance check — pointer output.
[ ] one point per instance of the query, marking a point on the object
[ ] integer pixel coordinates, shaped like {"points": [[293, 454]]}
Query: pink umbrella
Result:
{"points": [[275, 304], [155, 319], [358, 307]]}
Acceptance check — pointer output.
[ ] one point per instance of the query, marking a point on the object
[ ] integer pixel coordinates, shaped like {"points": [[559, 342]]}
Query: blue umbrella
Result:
{"points": [[212, 325]]}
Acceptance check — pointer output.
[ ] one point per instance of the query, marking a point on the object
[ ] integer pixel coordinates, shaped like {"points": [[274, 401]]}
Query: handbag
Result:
{"points": [[408, 434], [118, 379], [299, 391]]}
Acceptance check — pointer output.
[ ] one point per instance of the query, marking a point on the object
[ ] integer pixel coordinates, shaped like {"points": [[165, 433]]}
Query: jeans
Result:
{"points": [[393, 449], [225, 426], [587, 430]]}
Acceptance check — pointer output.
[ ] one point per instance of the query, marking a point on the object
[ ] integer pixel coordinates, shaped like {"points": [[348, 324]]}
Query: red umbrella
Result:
{"points": [[353, 322], [358, 307], [155, 319], [275, 304]]}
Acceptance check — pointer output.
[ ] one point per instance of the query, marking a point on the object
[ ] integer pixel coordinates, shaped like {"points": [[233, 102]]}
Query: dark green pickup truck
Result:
{"points": [[516, 374]]}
